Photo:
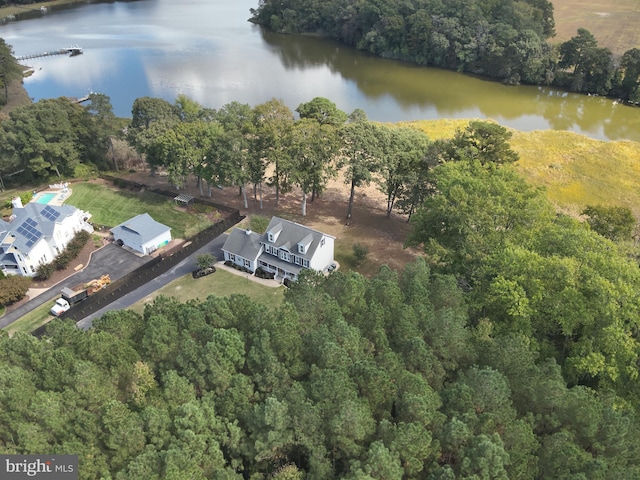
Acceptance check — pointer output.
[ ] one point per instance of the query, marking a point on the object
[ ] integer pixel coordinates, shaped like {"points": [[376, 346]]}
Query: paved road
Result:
{"points": [[111, 259], [184, 267]]}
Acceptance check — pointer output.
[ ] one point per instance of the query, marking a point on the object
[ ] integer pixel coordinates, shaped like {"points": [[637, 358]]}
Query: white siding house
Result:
{"points": [[142, 234], [36, 234], [284, 249]]}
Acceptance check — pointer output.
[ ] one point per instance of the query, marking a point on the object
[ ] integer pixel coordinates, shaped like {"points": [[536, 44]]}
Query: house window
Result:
{"points": [[284, 255], [297, 260], [33, 270], [305, 263], [232, 257], [301, 248], [270, 237], [247, 263], [322, 242]]}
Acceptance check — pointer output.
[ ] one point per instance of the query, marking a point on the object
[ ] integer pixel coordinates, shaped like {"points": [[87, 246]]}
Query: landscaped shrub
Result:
{"points": [[360, 252], [13, 288], [44, 271], [261, 273], [74, 247]]}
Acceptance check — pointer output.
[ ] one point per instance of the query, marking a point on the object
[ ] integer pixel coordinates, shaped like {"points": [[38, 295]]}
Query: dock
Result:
{"points": [[71, 51]]}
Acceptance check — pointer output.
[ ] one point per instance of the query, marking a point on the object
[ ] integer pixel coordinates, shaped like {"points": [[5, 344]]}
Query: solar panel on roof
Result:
{"points": [[49, 213]]}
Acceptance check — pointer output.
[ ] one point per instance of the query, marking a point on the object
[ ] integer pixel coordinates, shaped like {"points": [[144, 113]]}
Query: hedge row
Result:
{"points": [[62, 261]]}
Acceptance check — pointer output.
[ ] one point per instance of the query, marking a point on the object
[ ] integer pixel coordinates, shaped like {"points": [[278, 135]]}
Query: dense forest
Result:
{"points": [[404, 375], [503, 39], [509, 351]]}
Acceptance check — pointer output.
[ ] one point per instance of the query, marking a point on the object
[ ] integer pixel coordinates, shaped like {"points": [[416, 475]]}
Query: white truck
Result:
{"points": [[70, 297], [60, 307]]}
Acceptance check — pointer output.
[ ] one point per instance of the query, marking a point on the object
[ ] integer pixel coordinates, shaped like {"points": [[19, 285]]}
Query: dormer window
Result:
{"points": [[272, 235], [303, 245]]}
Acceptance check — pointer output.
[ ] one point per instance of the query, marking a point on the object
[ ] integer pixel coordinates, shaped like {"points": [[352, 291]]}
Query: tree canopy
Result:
{"points": [[350, 378], [505, 40]]}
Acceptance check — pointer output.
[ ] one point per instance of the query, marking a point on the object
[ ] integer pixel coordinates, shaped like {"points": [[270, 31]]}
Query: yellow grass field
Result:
{"points": [[574, 169], [615, 23]]}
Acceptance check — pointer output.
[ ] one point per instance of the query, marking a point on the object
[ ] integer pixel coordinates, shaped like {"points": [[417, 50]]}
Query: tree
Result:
{"points": [[592, 67], [150, 117], [630, 85], [473, 214], [405, 150], [185, 149], [101, 112], [232, 148], [360, 156], [486, 142], [205, 260], [13, 288], [322, 110], [313, 147], [274, 122], [614, 223]]}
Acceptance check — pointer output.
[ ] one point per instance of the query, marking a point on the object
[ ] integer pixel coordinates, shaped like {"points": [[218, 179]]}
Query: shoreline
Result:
{"points": [[33, 7]]}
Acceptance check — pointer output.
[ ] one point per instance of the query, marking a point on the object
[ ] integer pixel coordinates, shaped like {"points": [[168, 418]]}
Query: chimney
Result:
{"points": [[16, 202]]}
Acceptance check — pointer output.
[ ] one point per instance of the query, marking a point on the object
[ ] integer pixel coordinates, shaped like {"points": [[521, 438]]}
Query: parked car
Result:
{"points": [[203, 272]]}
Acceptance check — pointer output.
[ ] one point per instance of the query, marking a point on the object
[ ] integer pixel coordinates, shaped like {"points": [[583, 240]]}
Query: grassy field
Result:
{"points": [[111, 207], [616, 24], [222, 284], [575, 170]]}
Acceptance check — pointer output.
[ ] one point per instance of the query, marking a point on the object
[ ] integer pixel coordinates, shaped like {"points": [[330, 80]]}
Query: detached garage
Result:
{"points": [[142, 234]]}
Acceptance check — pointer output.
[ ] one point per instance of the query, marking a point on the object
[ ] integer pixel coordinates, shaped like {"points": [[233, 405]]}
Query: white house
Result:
{"points": [[36, 233], [284, 249], [142, 234]]}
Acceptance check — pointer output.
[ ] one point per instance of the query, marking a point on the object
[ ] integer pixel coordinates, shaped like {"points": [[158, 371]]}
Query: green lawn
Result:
{"points": [[111, 207], [222, 284], [32, 320]]}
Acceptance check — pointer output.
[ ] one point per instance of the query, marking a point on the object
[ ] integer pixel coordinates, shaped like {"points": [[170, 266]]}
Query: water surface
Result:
{"points": [[207, 50]]}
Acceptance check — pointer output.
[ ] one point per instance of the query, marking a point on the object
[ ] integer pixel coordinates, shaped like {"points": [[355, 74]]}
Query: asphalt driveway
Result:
{"points": [[185, 267], [111, 259]]}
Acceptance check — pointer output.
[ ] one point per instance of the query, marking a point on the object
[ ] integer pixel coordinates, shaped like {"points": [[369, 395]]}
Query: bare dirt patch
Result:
{"points": [[383, 236]]}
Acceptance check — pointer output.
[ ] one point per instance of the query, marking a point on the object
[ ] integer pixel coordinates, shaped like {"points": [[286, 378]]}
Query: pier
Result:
{"points": [[71, 51]]}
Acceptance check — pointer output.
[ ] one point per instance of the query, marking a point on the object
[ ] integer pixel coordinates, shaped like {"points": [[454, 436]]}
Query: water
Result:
{"points": [[45, 198], [208, 51]]}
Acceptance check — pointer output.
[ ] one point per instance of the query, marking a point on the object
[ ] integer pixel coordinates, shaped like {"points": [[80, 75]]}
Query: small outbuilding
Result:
{"points": [[183, 199], [142, 234]]}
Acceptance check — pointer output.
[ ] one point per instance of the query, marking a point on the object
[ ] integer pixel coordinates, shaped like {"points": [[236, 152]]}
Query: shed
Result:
{"points": [[183, 199], [142, 234]]}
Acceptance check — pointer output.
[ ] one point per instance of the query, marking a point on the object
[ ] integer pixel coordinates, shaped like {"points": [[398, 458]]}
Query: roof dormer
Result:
{"points": [[303, 245], [272, 234]]}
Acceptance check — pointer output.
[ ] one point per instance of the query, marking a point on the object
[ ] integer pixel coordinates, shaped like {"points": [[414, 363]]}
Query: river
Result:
{"points": [[207, 50]]}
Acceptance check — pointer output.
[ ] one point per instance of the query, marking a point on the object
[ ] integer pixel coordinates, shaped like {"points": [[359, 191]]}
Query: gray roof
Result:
{"points": [[244, 243], [140, 229], [291, 234], [33, 222]]}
